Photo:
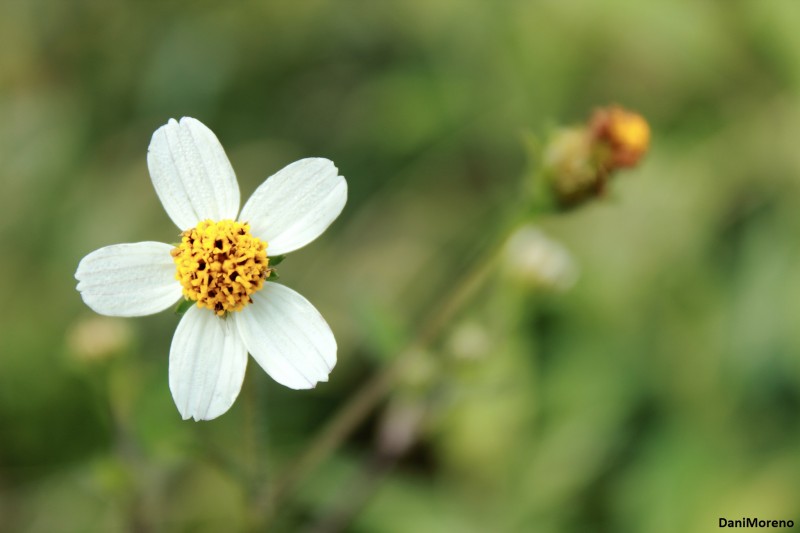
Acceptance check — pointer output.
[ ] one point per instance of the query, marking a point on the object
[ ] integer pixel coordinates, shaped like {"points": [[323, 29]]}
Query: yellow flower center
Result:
{"points": [[220, 264]]}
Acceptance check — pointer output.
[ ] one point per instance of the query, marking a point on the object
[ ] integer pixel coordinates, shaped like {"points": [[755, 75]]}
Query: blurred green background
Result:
{"points": [[659, 394]]}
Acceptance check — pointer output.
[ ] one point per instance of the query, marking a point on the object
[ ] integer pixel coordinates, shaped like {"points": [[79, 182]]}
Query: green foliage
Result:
{"points": [[658, 395]]}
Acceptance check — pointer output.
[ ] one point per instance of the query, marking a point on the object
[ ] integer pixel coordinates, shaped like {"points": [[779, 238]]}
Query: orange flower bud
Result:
{"points": [[579, 162], [622, 135]]}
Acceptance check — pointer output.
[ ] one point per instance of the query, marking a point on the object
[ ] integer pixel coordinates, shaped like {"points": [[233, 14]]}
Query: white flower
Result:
{"points": [[535, 259], [222, 264]]}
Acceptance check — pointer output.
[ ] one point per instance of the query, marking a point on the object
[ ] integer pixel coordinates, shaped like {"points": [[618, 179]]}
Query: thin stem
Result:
{"points": [[361, 404]]}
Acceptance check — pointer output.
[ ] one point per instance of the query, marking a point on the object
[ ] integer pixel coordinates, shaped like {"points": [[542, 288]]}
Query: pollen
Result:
{"points": [[220, 265]]}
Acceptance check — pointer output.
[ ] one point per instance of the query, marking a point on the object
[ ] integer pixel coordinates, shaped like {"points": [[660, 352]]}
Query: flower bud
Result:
{"points": [[98, 338], [535, 259], [578, 162], [622, 137], [569, 167]]}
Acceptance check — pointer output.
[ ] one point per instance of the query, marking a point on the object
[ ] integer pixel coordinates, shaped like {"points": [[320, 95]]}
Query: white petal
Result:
{"points": [[129, 279], [293, 207], [207, 361], [192, 174], [288, 337]]}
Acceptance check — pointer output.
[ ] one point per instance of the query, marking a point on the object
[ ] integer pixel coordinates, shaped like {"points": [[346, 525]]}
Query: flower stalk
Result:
{"points": [[575, 167]]}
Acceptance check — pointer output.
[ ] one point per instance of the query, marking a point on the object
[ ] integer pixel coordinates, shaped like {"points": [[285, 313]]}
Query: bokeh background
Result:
{"points": [[660, 393]]}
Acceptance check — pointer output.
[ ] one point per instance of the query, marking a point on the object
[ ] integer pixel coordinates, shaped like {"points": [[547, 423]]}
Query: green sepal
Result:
{"points": [[276, 260], [273, 275], [183, 306]]}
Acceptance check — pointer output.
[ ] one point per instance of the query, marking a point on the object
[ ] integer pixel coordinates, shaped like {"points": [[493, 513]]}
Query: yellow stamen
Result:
{"points": [[220, 264]]}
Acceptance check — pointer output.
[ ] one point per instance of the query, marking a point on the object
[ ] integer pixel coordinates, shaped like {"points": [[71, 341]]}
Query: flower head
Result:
{"points": [[537, 260], [569, 166], [222, 264], [625, 135], [579, 162]]}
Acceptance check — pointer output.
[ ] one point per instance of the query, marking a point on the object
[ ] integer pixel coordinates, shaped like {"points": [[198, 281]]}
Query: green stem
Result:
{"points": [[362, 403]]}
